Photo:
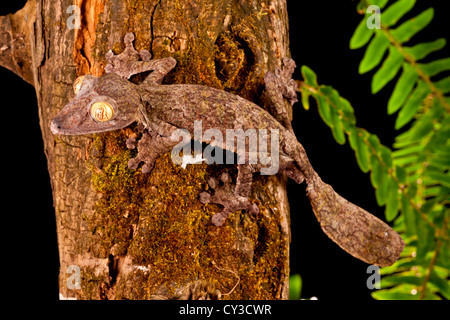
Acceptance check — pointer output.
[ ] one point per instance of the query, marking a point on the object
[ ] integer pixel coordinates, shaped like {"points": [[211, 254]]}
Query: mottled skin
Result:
{"points": [[162, 109]]}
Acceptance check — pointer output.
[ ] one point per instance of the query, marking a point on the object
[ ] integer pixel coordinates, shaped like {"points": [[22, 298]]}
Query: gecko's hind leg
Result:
{"points": [[232, 199]]}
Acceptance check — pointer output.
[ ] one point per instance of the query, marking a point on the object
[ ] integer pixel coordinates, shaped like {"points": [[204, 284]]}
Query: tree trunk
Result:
{"points": [[146, 236]]}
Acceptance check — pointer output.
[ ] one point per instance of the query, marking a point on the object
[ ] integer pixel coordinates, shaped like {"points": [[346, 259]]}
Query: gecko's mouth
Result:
{"points": [[59, 127], [55, 128], [67, 122], [84, 125]]}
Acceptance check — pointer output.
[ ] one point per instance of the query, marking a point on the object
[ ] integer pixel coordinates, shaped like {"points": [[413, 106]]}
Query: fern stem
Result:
{"points": [[423, 286], [412, 61]]}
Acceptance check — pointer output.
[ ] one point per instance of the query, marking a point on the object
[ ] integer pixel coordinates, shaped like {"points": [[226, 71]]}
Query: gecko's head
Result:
{"points": [[101, 104]]}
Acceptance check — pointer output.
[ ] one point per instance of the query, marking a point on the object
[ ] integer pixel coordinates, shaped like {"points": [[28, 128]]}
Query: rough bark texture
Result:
{"points": [[144, 236]]}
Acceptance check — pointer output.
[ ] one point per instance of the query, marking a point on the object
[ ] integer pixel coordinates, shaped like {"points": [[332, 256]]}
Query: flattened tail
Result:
{"points": [[354, 229]]}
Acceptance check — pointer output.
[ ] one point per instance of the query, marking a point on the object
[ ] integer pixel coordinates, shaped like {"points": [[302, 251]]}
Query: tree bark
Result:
{"points": [[146, 236]]}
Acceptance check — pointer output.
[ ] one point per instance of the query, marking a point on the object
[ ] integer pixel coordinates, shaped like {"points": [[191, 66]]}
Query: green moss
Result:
{"points": [[157, 219], [181, 243], [270, 260], [92, 284], [173, 227], [138, 21], [116, 210]]}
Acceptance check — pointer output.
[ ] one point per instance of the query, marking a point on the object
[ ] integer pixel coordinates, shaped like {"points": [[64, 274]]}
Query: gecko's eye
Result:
{"points": [[101, 111], [77, 85]]}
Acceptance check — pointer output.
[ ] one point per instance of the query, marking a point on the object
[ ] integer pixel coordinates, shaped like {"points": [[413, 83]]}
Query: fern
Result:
{"points": [[412, 180]]}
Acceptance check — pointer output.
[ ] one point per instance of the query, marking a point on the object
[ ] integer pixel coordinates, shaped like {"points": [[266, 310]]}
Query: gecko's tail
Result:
{"points": [[355, 230]]}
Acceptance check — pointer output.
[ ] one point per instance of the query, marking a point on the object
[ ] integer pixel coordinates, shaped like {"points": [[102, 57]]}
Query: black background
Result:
{"points": [[319, 33]]}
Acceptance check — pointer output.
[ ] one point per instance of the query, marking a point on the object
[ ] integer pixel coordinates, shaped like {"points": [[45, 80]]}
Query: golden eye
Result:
{"points": [[102, 111], [77, 84]]}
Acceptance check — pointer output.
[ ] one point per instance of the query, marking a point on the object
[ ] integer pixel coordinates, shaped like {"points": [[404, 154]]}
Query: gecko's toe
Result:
{"points": [[145, 55], [147, 167], [133, 163], [213, 182], [128, 39], [226, 178], [253, 208], [131, 142], [219, 218], [205, 197]]}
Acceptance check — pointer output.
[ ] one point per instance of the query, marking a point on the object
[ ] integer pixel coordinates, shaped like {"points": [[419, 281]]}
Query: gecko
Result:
{"points": [[111, 102]]}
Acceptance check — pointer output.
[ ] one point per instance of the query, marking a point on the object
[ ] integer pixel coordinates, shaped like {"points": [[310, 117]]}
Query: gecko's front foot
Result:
{"points": [[145, 154], [225, 196]]}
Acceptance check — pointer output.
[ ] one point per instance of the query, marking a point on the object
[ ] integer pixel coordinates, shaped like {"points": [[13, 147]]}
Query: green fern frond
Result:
{"points": [[412, 181], [401, 57], [421, 151]]}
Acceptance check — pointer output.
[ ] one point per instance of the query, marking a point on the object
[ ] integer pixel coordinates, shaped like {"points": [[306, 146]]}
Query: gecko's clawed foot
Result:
{"points": [[225, 196], [289, 86], [281, 80], [280, 91], [147, 167], [124, 63], [131, 62]]}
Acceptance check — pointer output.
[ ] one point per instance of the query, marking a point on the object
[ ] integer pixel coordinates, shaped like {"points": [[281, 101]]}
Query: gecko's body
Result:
{"points": [[183, 104], [111, 102]]}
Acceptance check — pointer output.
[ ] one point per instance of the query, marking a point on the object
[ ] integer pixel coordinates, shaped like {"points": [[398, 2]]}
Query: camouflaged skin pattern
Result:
{"points": [[160, 110]]}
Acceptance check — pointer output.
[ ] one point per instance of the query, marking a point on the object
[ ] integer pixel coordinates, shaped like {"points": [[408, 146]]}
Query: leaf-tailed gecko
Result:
{"points": [[111, 102]]}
